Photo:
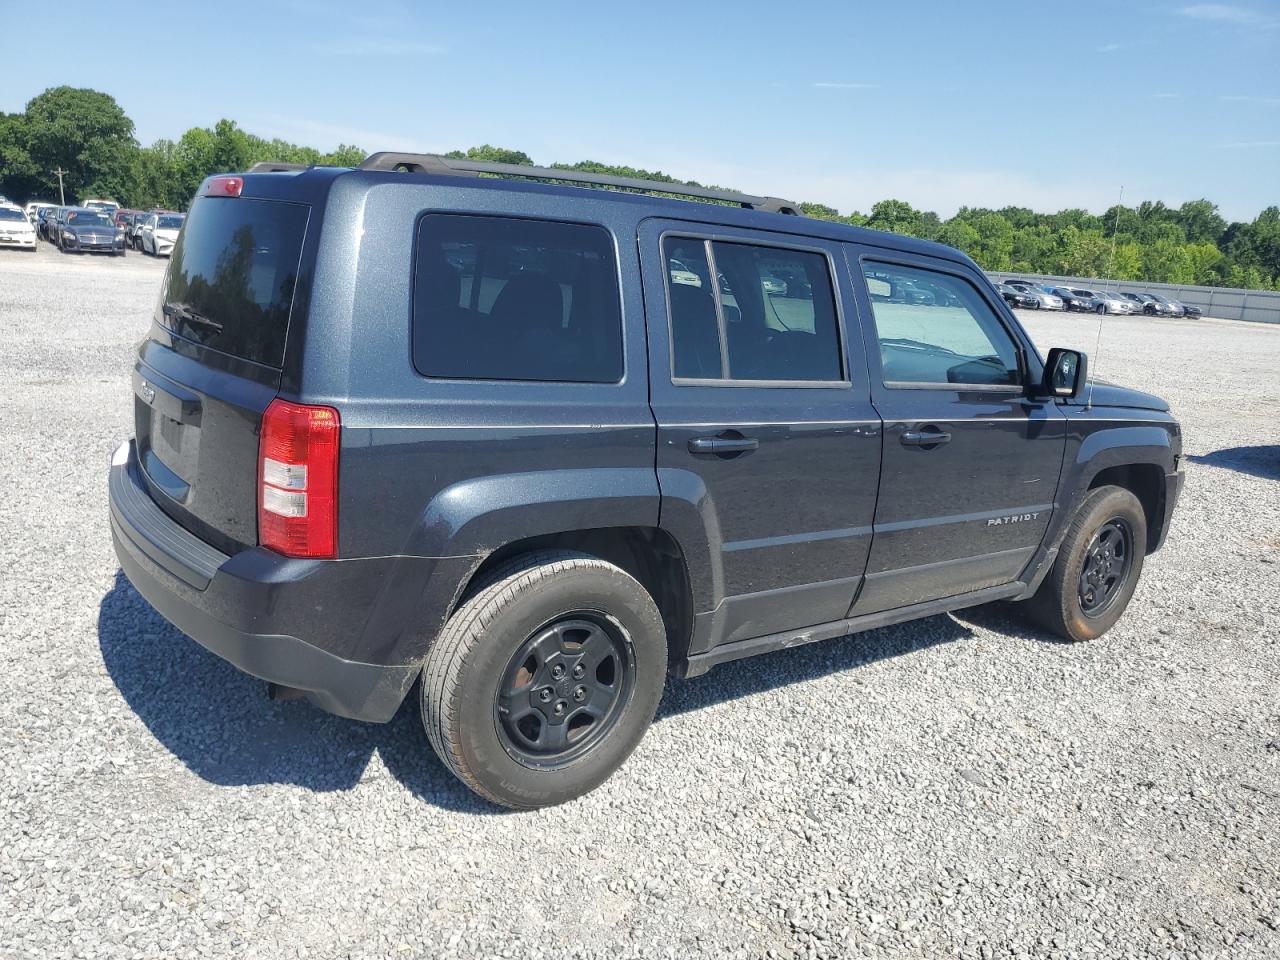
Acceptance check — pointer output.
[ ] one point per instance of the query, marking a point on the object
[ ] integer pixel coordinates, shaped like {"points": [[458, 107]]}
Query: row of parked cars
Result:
{"points": [[1043, 296], [95, 226]]}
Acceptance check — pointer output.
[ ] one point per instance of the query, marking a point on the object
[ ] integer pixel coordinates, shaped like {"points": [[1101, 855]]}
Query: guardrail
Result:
{"points": [[1225, 303]]}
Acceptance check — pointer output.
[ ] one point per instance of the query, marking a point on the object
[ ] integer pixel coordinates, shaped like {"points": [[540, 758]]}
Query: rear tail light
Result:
{"points": [[224, 186], [298, 480]]}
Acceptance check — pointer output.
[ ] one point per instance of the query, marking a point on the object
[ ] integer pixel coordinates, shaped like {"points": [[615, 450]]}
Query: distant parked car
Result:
{"points": [[1188, 310], [160, 233], [1151, 305], [682, 274], [33, 208], [1046, 300], [1074, 298], [1114, 302], [56, 222], [87, 230], [15, 229], [1171, 308], [133, 230], [1017, 298], [44, 219], [109, 207]]}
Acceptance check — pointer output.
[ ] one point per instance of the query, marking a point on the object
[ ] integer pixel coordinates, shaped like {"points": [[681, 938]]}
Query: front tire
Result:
{"points": [[1097, 568], [545, 679]]}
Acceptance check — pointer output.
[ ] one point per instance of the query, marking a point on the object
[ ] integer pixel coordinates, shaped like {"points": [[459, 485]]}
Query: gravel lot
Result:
{"points": [[957, 786]]}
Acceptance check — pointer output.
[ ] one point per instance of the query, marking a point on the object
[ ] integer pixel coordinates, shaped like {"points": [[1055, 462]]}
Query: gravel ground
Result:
{"points": [[959, 786]]}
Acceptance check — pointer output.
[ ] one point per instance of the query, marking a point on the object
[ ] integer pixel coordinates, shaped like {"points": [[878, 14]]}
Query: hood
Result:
{"points": [[1112, 395]]}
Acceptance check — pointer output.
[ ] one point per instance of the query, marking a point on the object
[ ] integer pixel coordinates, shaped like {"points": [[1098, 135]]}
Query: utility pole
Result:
{"points": [[62, 197]]}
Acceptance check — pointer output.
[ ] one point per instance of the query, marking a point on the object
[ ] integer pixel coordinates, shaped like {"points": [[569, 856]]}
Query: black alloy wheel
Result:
{"points": [[1108, 560], [563, 690]]}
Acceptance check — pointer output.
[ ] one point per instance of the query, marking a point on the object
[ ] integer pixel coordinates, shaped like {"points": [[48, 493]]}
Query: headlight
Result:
{"points": [[119, 234], [68, 233]]}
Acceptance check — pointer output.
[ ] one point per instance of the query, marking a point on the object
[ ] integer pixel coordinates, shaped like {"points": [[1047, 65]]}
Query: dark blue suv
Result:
{"points": [[537, 446]]}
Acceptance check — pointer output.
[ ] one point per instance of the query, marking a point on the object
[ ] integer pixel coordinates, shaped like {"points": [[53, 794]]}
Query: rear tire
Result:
{"points": [[1097, 567], [545, 679]]}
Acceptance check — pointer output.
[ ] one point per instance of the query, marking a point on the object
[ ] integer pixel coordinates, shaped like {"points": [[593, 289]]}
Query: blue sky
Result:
{"points": [[938, 103]]}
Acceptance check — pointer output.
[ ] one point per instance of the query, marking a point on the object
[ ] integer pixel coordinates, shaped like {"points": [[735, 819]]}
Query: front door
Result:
{"points": [[971, 462], [768, 446]]}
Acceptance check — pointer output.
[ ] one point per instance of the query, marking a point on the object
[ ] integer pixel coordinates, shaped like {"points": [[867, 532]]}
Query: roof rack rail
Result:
{"points": [[275, 166], [449, 166]]}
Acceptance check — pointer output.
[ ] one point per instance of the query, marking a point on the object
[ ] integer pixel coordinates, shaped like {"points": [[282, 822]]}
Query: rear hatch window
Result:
{"points": [[232, 276]]}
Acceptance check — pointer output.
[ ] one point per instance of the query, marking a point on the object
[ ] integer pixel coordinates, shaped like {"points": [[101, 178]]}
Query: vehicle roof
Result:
{"points": [[314, 183]]}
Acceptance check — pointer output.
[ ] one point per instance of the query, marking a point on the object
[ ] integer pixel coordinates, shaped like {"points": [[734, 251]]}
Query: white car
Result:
{"points": [[682, 274], [15, 229], [160, 233], [31, 208], [109, 207]]}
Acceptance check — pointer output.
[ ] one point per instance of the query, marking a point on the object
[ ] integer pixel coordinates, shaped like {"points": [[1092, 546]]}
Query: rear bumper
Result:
{"points": [[249, 608]]}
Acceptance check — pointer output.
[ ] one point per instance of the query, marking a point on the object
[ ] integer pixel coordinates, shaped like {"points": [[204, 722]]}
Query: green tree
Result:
{"points": [[959, 234], [491, 154], [896, 216], [994, 250], [1081, 253], [1201, 222], [83, 132]]}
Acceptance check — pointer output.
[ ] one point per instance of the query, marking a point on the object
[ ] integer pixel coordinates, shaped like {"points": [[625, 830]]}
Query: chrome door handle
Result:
{"points": [[925, 438], [722, 446]]}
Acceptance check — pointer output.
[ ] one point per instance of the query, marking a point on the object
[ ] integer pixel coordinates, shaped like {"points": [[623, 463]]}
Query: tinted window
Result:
{"points": [[7, 214], [770, 314], [232, 277], [505, 299], [936, 328]]}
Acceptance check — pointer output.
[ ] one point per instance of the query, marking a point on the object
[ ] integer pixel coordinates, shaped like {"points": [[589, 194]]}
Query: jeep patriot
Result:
{"points": [[527, 448]]}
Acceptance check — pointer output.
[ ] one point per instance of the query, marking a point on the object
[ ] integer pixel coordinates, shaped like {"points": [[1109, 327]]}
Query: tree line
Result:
{"points": [[89, 137]]}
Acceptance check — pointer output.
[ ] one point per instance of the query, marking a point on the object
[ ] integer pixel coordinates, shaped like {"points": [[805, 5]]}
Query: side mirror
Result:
{"points": [[1065, 373]]}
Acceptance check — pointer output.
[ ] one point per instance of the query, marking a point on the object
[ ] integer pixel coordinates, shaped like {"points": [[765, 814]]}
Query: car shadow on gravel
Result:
{"points": [[218, 721], [1260, 461]]}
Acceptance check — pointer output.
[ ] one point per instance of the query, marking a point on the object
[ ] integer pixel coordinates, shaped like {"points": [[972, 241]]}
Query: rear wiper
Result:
{"points": [[182, 312], [918, 345]]}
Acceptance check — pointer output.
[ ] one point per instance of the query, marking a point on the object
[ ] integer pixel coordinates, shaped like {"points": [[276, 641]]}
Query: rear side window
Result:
{"points": [[499, 298], [232, 277], [769, 313]]}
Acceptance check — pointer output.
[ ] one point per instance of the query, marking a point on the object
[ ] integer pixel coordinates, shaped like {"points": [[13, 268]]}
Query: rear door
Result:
{"points": [[971, 463], [212, 362], [767, 441]]}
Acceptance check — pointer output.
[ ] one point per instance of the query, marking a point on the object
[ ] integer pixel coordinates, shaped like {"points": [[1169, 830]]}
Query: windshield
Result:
{"points": [[169, 223], [1081, 293], [7, 214], [88, 218]]}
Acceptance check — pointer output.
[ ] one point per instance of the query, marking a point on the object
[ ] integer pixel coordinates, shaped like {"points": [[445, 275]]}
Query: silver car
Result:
{"points": [[1115, 302], [1045, 300]]}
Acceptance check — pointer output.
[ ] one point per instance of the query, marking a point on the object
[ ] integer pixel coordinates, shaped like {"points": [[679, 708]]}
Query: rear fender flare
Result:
{"points": [[467, 521]]}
